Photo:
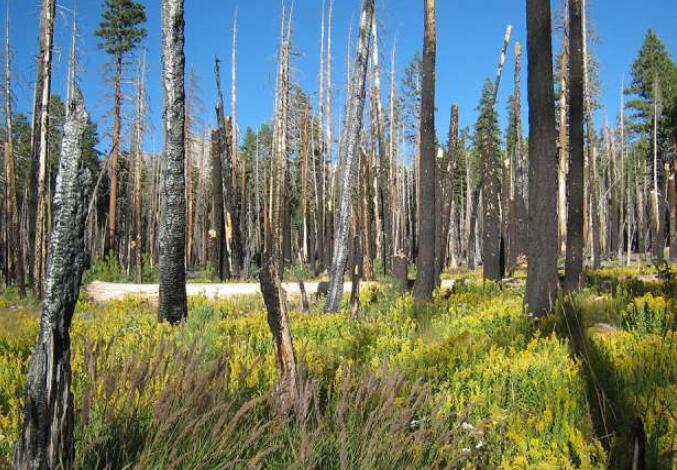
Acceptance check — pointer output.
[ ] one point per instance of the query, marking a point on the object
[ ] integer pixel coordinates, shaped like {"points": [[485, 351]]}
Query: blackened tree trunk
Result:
{"points": [[575, 242], [221, 264], [541, 287], [426, 259], [350, 164], [47, 435], [173, 303]]}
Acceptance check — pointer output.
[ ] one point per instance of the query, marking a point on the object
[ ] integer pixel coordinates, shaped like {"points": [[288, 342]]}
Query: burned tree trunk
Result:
{"points": [[274, 298], [47, 436], [541, 286], [574, 245], [426, 264], [349, 174], [173, 303]]}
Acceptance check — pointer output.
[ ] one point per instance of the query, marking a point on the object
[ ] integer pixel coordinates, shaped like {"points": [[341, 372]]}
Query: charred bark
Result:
{"points": [[173, 302], [46, 439], [575, 242], [541, 286], [426, 264]]}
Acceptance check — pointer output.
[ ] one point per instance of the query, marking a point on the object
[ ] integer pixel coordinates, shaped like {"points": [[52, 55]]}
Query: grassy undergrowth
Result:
{"points": [[468, 381], [630, 344]]}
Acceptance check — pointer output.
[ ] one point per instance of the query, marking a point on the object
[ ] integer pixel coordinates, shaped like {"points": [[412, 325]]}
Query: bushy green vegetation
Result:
{"points": [[466, 381]]}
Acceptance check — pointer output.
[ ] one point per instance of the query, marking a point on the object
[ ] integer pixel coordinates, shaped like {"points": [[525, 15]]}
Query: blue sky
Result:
{"points": [[470, 33]]}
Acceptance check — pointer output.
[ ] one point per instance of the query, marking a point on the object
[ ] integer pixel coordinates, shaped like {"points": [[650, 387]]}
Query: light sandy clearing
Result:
{"points": [[99, 291]]}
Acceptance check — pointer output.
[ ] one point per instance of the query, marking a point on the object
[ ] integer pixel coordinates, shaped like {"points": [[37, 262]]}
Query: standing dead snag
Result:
{"points": [[273, 294], [274, 298], [347, 179], [14, 237], [47, 437], [173, 303], [574, 241], [39, 145], [541, 287], [425, 262]]}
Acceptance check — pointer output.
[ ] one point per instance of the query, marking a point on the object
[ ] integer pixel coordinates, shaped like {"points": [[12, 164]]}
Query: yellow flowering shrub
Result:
{"points": [[518, 394]]}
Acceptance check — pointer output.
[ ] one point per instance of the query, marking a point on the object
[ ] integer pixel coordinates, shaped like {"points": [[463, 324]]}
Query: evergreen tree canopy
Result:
{"points": [[487, 120], [653, 70], [120, 28]]}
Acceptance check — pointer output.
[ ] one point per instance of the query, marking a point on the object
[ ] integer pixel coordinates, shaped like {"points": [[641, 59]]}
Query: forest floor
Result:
{"points": [[465, 381]]}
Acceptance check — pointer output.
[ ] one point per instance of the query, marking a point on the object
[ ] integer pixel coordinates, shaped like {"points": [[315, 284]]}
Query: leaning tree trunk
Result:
{"points": [[278, 321], [173, 304], [349, 173], [426, 259], [574, 241], [47, 436], [541, 287]]}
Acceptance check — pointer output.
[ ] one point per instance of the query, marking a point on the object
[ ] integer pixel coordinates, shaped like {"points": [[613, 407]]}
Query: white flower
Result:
{"points": [[467, 426]]}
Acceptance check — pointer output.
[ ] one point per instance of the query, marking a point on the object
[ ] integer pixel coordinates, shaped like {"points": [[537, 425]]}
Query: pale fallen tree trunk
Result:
{"points": [[47, 437], [354, 123]]}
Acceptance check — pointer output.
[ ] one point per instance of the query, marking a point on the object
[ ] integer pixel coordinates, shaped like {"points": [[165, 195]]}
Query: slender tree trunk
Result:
{"points": [[574, 241], [451, 218], [672, 202], [541, 287], [365, 219], [138, 170], [492, 245], [39, 141], [350, 164], [426, 261], [563, 139], [46, 439], [593, 189], [173, 303], [656, 195], [13, 241], [521, 164], [188, 159], [384, 163], [275, 236]]}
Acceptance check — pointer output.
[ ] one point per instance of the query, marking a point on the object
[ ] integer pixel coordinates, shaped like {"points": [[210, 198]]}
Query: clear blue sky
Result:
{"points": [[470, 34]]}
